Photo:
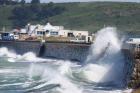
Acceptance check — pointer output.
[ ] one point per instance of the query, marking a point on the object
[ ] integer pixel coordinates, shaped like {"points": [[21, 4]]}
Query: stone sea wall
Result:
{"points": [[129, 66], [21, 47], [67, 51], [134, 81], [132, 57]]}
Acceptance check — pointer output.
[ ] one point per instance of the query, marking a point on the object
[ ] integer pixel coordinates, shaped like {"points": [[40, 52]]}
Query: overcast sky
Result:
{"points": [[85, 0]]}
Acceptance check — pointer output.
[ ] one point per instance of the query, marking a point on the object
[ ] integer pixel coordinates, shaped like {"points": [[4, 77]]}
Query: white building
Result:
{"points": [[41, 30], [56, 31]]}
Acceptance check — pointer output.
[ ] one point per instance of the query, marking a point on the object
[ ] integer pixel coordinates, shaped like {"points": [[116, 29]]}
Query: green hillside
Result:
{"points": [[5, 13], [89, 16]]}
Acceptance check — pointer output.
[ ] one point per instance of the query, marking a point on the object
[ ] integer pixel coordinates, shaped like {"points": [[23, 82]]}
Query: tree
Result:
{"points": [[21, 16], [22, 2], [50, 4], [35, 2], [35, 6], [2, 2], [35, 12], [8, 2]]}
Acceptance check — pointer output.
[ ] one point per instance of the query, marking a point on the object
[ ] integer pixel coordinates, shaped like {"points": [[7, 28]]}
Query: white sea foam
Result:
{"points": [[13, 57]]}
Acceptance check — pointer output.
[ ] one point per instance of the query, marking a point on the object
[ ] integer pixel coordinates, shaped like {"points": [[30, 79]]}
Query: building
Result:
{"points": [[49, 30], [43, 30]]}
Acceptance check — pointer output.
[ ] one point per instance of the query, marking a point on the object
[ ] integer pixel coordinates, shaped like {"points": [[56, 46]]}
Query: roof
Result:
{"points": [[49, 27]]}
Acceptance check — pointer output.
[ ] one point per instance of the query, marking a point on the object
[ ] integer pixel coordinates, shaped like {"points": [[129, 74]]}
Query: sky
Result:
{"points": [[58, 1]]}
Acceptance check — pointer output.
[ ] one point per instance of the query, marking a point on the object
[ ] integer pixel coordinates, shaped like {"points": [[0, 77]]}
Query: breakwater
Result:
{"points": [[129, 66], [21, 47], [134, 63], [132, 58], [59, 50]]}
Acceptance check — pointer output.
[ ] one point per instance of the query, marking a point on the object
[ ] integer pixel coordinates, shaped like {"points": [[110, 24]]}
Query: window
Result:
{"points": [[54, 33], [83, 37], [40, 32], [5, 34], [70, 35]]}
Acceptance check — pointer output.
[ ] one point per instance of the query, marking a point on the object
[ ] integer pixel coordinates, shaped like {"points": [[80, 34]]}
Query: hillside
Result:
{"points": [[90, 16], [5, 13]]}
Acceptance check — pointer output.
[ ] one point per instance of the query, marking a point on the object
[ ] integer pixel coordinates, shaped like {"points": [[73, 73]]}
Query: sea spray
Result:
{"points": [[106, 39], [5, 52], [106, 63], [13, 57]]}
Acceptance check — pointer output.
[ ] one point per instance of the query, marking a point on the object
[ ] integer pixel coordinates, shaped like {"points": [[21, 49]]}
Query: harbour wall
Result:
{"points": [[129, 66], [21, 47], [59, 50], [133, 61], [70, 51]]}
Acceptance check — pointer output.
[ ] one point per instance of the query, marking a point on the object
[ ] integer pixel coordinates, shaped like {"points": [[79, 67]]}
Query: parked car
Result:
{"points": [[7, 36], [16, 37]]}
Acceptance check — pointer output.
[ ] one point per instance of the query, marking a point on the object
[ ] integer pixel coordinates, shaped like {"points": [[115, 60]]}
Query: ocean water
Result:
{"points": [[103, 71]]}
